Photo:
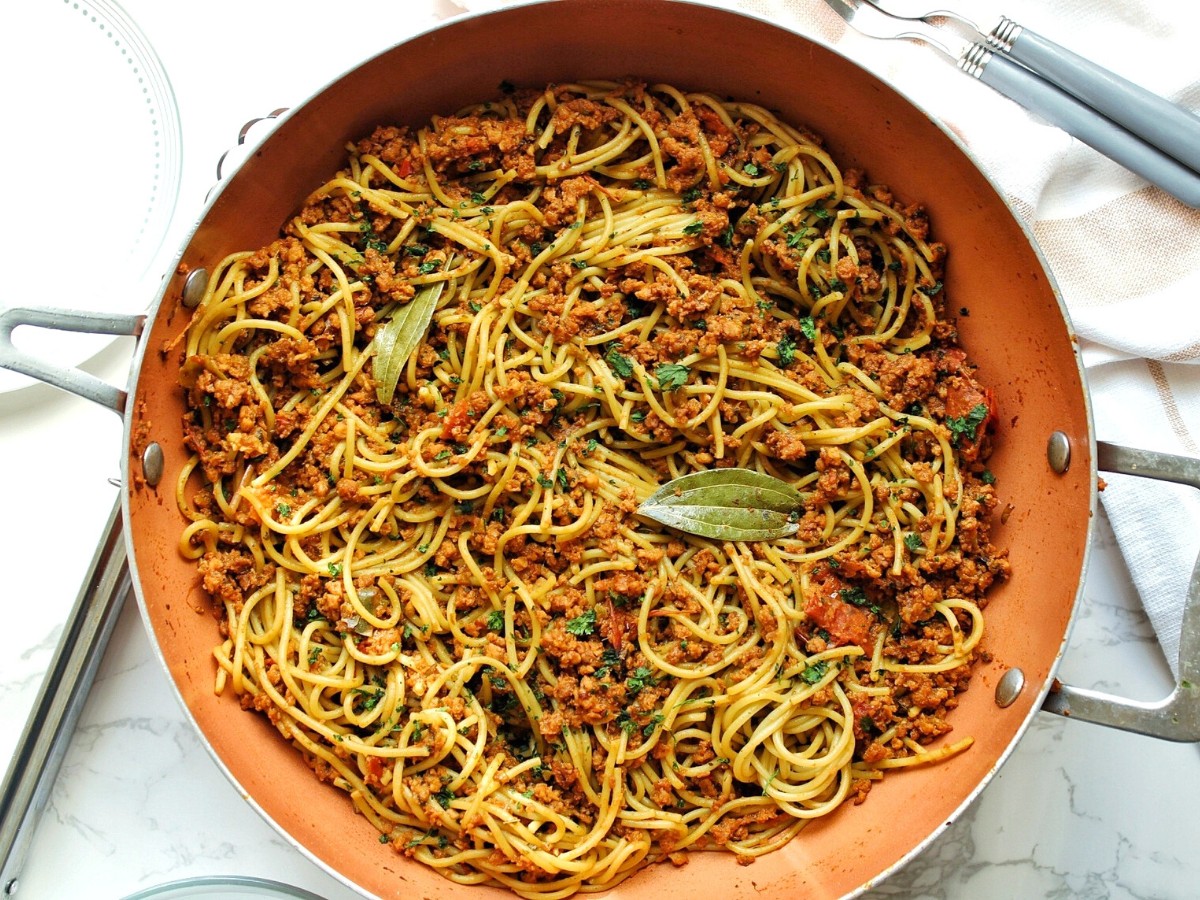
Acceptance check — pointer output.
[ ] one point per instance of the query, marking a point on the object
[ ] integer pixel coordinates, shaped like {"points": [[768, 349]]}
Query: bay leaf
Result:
{"points": [[726, 504], [399, 336]]}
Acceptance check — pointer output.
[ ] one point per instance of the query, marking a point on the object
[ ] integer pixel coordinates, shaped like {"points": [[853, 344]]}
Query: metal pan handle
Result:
{"points": [[1177, 716], [48, 731], [74, 381]]}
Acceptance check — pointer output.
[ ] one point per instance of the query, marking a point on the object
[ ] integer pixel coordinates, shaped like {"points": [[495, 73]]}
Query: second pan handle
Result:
{"points": [[1177, 716]]}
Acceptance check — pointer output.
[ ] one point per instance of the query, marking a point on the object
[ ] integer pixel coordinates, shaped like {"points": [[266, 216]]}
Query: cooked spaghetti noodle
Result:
{"points": [[447, 601]]}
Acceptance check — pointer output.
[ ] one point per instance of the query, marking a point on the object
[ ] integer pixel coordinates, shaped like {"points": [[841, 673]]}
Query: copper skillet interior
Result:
{"points": [[1015, 331]]}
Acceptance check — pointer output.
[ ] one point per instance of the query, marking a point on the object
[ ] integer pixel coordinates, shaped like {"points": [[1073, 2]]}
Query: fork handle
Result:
{"points": [[1171, 128], [1078, 119]]}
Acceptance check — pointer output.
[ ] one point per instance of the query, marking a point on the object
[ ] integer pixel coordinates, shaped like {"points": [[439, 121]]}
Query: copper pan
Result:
{"points": [[1017, 332]]}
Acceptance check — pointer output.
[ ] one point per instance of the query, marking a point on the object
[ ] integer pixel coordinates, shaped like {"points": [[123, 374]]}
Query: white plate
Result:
{"points": [[92, 149], [224, 887]]}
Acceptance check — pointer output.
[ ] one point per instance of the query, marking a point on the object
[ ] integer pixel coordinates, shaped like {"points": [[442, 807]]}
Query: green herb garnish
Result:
{"points": [[786, 350], [620, 363], [583, 624], [967, 425], [671, 376]]}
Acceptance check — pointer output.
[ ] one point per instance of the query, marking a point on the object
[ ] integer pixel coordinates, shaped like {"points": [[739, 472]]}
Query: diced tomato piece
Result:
{"points": [[845, 622], [963, 399], [404, 168], [374, 774], [457, 422]]}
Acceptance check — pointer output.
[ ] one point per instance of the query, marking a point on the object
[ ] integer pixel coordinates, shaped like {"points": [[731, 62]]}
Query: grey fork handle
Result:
{"points": [[1018, 83], [1173, 130]]}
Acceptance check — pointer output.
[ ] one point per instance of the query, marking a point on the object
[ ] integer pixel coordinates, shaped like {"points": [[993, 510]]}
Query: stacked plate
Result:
{"points": [[94, 161]]}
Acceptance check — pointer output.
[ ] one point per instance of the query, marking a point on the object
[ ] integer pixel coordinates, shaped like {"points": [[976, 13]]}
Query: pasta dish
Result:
{"points": [[429, 423]]}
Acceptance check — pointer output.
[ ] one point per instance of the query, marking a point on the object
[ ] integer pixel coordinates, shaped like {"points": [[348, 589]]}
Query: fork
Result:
{"points": [[1134, 149], [1170, 128]]}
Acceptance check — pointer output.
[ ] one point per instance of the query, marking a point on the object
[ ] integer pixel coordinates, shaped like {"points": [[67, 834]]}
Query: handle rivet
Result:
{"points": [[1009, 688], [152, 464], [1058, 452], [194, 286], [11, 888]]}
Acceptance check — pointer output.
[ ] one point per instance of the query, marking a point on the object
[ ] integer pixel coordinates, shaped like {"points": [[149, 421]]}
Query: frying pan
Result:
{"points": [[1017, 332]]}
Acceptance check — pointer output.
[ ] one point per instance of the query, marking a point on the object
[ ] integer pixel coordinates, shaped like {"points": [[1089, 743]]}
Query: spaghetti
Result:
{"points": [[447, 602]]}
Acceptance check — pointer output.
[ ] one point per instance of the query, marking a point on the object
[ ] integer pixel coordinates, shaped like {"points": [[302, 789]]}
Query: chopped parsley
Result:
{"points": [[809, 327], [620, 363], [444, 797], [693, 228], [913, 542], [369, 698], [750, 169], [987, 477], [495, 620], [671, 376], [969, 424], [334, 570], [639, 678], [786, 348], [796, 239], [858, 597], [815, 672], [855, 595], [583, 624], [655, 721], [545, 481], [609, 659]]}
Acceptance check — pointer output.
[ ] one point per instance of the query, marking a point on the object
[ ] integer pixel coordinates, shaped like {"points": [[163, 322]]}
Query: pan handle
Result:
{"points": [[39, 753], [1177, 716], [74, 381]]}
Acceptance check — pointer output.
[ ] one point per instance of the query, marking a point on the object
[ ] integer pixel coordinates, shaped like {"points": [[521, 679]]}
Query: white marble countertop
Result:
{"points": [[1078, 810]]}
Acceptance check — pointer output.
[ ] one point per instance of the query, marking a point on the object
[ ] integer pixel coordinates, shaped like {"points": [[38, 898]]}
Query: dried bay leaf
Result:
{"points": [[399, 336], [726, 504]]}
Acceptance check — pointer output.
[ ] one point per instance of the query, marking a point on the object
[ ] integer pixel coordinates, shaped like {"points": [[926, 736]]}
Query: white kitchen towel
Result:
{"points": [[1125, 255]]}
